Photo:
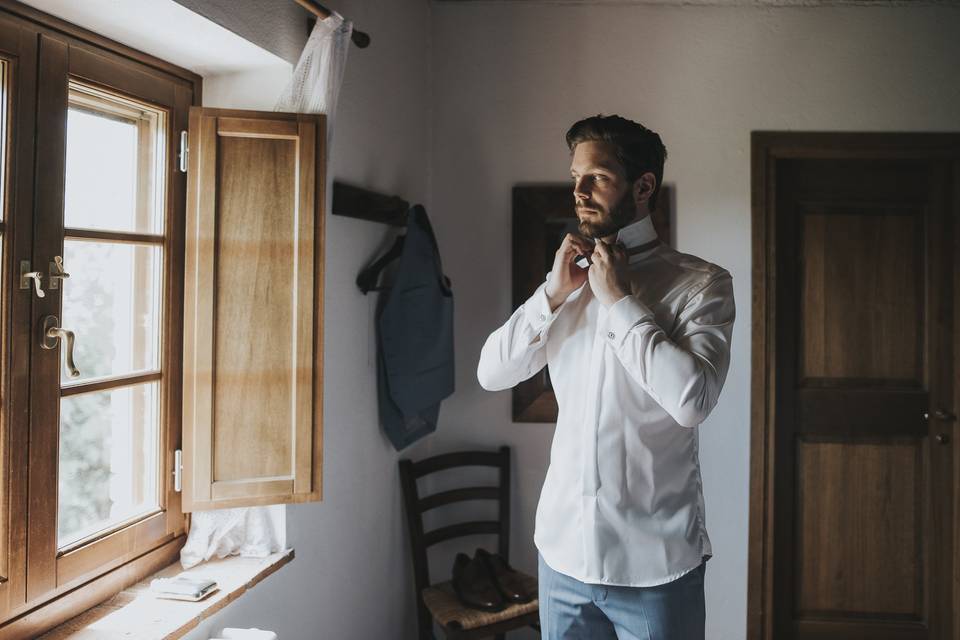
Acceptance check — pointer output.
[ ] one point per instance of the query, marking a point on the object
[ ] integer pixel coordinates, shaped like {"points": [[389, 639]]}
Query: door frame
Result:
{"points": [[766, 148]]}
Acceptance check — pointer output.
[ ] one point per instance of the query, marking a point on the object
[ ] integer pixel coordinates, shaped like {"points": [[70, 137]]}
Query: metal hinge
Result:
{"points": [[184, 152], [178, 470]]}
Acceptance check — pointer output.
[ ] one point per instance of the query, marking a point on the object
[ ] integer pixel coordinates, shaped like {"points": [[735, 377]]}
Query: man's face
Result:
{"points": [[601, 192]]}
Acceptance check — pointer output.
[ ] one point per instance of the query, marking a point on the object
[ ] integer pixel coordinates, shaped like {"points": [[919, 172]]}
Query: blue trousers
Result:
{"points": [[570, 609]]}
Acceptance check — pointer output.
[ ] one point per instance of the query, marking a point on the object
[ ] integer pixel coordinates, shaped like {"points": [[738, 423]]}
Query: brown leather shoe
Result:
{"points": [[473, 584], [505, 578]]}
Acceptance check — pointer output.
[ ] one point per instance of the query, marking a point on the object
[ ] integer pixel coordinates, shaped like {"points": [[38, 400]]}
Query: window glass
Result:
{"points": [[4, 94], [111, 301], [114, 150], [4, 141], [113, 251], [108, 459]]}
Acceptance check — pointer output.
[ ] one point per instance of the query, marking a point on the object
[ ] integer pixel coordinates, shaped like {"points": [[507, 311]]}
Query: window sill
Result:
{"points": [[136, 613]]}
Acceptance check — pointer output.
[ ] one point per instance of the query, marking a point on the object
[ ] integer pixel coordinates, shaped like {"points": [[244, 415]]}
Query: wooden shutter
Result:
{"points": [[253, 298]]}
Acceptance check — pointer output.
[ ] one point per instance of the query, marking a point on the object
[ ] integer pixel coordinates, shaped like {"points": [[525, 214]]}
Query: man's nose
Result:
{"points": [[580, 191]]}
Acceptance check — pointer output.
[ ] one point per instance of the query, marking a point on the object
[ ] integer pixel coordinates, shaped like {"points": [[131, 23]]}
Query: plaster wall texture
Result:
{"points": [[351, 577], [279, 26], [509, 79]]}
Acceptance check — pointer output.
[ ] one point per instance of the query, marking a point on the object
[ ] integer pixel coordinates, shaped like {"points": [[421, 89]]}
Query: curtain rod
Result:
{"points": [[361, 39]]}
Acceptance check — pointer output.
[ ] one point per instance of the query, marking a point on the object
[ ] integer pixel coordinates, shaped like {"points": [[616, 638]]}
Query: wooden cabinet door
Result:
{"points": [[252, 412]]}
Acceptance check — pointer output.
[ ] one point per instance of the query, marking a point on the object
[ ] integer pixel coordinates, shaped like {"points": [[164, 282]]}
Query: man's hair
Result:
{"points": [[637, 148]]}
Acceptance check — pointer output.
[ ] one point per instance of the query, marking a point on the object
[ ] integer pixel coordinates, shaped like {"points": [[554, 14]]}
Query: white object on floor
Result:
{"points": [[246, 634]]}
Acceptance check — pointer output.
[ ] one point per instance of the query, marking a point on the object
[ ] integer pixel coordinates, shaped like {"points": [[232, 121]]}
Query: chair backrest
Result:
{"points": [[415, 505]]}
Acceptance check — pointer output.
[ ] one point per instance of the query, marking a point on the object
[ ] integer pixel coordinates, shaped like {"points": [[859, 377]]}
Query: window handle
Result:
{"points": [[57, 272], [26, 276], [52, 335]]}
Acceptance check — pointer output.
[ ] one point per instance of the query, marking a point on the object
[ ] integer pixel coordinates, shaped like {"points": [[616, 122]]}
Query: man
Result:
{"points": [[638, 345]]}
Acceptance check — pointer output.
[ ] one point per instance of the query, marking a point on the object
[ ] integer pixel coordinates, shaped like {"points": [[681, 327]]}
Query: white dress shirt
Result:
{"points": [[622, 503]]}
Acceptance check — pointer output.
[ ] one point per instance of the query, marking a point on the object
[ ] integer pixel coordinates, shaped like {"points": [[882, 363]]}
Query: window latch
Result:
{"points": [[26, 276], [178, 470], [57, 272]]}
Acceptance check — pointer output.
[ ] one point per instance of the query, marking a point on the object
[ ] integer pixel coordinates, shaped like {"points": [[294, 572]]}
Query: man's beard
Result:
{"points": [[607, 223]]}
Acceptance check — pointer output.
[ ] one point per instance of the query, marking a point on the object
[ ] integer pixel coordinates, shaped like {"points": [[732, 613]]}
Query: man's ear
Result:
{"points": [[643, 188]]}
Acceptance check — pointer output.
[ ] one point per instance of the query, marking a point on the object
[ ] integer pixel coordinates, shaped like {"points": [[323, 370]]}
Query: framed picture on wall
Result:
{"points": [[542, 216]]}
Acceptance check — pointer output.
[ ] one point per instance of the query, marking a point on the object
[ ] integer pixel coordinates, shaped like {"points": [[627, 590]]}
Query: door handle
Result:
{"points": [[51, 335], [940, 414]]}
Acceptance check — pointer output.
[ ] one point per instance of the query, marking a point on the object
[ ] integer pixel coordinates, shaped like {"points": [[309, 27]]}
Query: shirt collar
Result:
{"points": [[638, 238]]}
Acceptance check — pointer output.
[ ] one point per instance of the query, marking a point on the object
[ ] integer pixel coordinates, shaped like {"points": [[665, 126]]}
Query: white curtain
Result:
{"points": [[313, 88], [316, 80]]}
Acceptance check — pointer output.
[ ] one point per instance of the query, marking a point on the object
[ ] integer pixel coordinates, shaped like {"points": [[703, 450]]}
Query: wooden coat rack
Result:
{"points": [[356, 202]]}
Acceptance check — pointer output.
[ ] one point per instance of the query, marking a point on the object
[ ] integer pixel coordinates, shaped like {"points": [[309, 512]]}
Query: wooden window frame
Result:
{"points": [[43, 52], [137, 376]]}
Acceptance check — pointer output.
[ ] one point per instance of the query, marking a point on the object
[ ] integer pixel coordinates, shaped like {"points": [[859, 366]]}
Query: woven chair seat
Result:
{"points": [[449, 612]]}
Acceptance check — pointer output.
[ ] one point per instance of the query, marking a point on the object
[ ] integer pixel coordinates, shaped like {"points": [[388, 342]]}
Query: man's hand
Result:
{"points": [[608, 277], [566, 277]]}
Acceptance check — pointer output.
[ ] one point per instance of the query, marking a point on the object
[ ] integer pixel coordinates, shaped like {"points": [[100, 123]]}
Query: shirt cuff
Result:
{"points": [[537, 310], [623, 315]]}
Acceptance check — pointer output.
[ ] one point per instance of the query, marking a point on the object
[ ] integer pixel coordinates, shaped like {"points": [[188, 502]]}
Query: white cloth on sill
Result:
{"points": [[253, 532]]}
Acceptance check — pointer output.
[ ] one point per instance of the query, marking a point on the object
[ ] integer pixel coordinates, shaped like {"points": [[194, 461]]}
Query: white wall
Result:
{"points": [[510, 78], [351, 577]]}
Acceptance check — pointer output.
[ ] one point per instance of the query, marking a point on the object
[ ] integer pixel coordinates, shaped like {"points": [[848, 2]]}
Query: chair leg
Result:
{"points": [[427, 633], [424, 623]]}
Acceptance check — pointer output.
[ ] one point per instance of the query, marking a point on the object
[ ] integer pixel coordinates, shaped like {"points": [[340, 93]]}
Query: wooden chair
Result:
{"points": [[439, 602]]}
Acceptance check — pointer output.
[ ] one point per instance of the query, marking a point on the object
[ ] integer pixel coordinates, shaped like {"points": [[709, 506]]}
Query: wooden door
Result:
{"points": [[859, 444]]}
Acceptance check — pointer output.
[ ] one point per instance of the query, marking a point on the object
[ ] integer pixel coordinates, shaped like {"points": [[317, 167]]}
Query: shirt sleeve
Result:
{"points": [[683, 375], [515, 351]]}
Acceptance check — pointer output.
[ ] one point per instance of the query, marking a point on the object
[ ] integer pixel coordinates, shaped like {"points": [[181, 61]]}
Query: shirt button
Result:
{"points": [[543, 317], [611, 335]]}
